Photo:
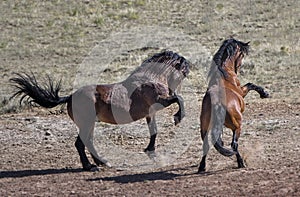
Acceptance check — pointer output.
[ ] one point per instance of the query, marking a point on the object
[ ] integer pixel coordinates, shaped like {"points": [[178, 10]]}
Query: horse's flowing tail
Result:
{"points": [[218, 119], [45, 95]]}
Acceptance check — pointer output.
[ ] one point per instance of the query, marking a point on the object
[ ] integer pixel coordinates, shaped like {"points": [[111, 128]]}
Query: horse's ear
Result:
{"points": [[247, 43]]}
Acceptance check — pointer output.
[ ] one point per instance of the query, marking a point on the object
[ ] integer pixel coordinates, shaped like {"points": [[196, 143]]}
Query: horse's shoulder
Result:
{"points": [[159, 88]]}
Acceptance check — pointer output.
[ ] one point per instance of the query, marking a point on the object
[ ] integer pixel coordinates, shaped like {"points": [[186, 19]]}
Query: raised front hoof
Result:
{"points": [[178, 117], [176, 120], [265, 94], [90, 168]]}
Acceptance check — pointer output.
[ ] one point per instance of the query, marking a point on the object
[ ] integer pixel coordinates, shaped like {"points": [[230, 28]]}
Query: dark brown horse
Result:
{"points": [[151, 87], [223, 103]]}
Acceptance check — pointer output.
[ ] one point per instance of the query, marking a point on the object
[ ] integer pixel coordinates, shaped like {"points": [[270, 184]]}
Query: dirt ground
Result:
{"points": [[38, 156]]}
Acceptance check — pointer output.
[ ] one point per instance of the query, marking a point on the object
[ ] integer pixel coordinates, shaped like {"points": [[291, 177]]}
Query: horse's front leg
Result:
{"points": [[153, 131], [174, 99], [181, 112], [250, 86]]}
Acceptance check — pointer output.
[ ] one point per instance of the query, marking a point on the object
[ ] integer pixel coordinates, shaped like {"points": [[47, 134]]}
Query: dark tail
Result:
{"points": [[45, 95], [220, 148], [218, 114]]}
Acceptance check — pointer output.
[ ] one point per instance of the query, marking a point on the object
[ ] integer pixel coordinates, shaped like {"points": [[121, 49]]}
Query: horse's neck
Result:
{"points": [[145, 77]]}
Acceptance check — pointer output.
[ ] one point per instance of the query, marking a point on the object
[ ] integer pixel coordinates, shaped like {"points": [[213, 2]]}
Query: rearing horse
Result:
{"points": [[223, 103], [151, 87]]}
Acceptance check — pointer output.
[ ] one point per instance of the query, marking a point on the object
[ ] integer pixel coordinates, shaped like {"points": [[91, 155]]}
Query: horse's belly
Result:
{"points": [[116, 115]]}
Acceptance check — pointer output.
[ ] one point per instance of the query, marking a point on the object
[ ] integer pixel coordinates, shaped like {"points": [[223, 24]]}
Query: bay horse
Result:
{"points": [[148, 89], [223, 103]]}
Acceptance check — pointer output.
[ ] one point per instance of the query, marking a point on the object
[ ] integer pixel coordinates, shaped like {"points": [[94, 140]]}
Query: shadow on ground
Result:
{"points": [[152, 176], [133, 178], [27, 173]]}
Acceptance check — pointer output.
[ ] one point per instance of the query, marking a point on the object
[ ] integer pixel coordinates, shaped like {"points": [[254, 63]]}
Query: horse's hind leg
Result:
{"points": [[84, 115], [88, 135], [83, 158], [97, 161], [153, 132], [234, 145], [202, 166]]}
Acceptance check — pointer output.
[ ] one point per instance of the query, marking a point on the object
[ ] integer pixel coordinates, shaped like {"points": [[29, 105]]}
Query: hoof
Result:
{"points": [[104, 162], [91, 168], [241, 164], [99, 162], [201, 170], [94, 169], [151, 154], [149, 149], [178, 117], [107, 164], [265, 95], [176, 120]]}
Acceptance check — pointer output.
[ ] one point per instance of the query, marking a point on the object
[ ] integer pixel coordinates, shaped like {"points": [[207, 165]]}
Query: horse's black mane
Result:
{"points": [[228, 49], [167, 60]]}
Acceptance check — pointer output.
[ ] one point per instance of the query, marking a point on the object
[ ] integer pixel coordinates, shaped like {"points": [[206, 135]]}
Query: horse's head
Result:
{"points": [[242, 49], [230, 55]]}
